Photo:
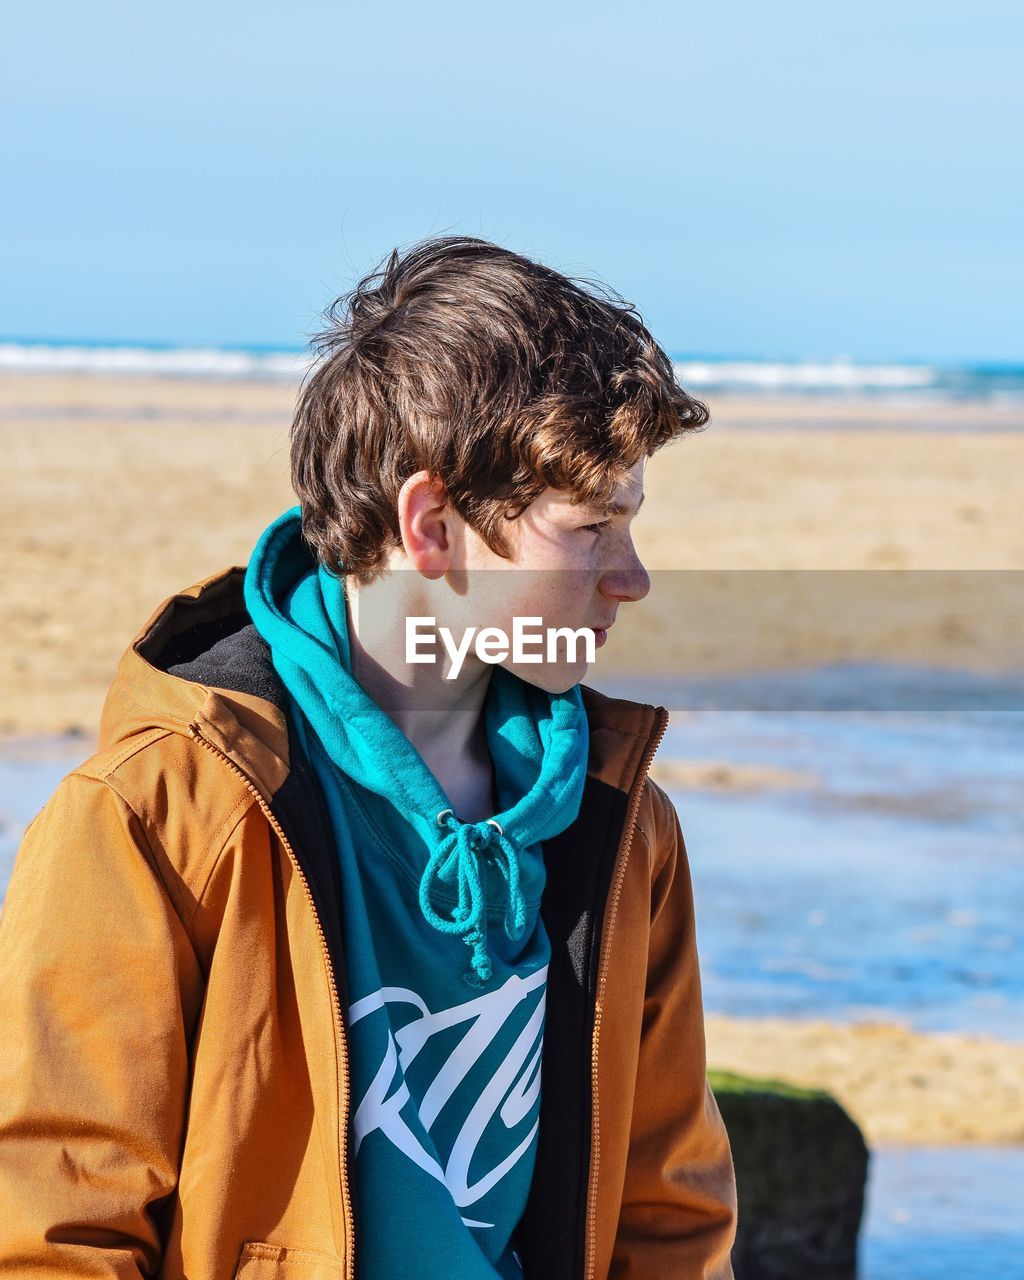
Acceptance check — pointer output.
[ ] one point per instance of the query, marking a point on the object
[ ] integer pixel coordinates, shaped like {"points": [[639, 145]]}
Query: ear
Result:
{"points": [[424, 519]]}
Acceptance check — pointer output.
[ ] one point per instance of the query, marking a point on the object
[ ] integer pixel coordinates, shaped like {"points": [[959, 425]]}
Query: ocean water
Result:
{"points": [[887, 882], [836, 376], [943, 1213]]}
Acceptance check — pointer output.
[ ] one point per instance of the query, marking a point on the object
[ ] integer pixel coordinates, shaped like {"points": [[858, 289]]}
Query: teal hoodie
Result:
{"points": [[446, 954]]}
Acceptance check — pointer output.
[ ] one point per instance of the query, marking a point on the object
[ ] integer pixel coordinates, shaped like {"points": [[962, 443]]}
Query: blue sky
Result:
{"points": [[782, 180]]}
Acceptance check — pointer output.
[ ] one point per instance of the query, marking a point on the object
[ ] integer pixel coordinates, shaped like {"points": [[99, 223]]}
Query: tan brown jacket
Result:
{"points": [[174, 1093]]}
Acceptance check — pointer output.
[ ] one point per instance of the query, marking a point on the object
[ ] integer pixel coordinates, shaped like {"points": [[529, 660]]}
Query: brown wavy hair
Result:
{"points": [[495, 373]]}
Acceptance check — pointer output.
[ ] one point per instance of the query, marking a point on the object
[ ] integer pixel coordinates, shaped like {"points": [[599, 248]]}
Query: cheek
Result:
{"points": [[521, 594], [561, 597], [531, 593]]}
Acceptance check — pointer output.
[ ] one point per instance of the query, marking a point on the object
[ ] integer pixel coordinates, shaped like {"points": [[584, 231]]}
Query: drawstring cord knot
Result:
{"points": [[456, 860]]}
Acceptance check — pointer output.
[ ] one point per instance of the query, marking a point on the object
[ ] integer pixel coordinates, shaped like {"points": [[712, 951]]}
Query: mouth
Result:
{"points": [[601, 634]]}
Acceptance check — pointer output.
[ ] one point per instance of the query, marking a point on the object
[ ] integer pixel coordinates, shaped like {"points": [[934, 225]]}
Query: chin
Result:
{"points": [[552, 679]]}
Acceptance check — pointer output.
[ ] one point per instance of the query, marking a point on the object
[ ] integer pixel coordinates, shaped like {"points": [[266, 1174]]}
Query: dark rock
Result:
{"points": [[801, 1171]]}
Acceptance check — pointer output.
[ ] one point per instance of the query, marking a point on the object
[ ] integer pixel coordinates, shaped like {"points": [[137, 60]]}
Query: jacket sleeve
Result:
{"points": [[679, 1210], [93, 1043]]}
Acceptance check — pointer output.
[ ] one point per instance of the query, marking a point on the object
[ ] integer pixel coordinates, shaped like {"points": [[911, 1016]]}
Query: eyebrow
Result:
{"points": [[621, 508]]}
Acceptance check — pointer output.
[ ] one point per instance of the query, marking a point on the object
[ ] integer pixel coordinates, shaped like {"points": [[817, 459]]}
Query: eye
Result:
{"points": [[595, 528]]}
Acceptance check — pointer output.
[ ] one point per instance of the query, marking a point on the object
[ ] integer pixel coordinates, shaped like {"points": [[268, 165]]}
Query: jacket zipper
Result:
{"points": [[195, 732], [632, 813]]}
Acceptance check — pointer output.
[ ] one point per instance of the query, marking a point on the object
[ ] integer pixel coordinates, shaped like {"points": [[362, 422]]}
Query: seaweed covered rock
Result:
{"points": [[801, 1171]]}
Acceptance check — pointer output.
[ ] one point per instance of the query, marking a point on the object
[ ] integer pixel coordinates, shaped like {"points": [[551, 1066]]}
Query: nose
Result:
{"points": [[628, 581]]}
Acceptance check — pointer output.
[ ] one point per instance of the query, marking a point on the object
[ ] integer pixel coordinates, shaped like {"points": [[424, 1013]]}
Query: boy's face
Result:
{"points": [[571, 566]]}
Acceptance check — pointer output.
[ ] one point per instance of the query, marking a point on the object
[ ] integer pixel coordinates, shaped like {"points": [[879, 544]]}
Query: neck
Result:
{"points": [[443, 719]]}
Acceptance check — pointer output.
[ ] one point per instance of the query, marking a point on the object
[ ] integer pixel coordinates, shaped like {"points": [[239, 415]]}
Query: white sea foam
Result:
{"points": [[204, 362], [1002, 385], [803, 376]]}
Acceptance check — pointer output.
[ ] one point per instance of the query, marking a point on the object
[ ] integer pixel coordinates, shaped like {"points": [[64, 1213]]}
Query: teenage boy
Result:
{"points": [[327, 964]]}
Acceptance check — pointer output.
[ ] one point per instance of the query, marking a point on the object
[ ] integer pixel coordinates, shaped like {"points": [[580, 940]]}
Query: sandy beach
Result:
{"points": [[121, 491]]}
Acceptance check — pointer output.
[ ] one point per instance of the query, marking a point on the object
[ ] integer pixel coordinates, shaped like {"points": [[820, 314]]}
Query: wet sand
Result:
{"points": [[899, 1085]]}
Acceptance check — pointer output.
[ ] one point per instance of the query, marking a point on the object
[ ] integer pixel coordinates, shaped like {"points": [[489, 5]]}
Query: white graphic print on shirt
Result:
{"points": [[511, 1091]]}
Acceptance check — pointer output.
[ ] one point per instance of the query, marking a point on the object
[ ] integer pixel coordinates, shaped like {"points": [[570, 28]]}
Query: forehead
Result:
{"points": [[627, 497]]}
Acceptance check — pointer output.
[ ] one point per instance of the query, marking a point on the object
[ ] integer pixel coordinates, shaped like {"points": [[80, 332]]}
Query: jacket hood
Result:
{"points": [[199, 661], [537, 740]]}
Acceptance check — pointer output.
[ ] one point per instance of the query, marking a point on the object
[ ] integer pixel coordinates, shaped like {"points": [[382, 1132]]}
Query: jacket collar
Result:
{"points": [[200, 661]]}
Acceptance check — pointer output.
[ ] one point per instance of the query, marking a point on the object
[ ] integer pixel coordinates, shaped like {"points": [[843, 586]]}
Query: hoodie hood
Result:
{"points": [[537, 740]]}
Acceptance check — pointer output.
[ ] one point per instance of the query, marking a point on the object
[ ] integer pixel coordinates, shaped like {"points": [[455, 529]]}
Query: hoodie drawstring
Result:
{"points": [[457, 859]]}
